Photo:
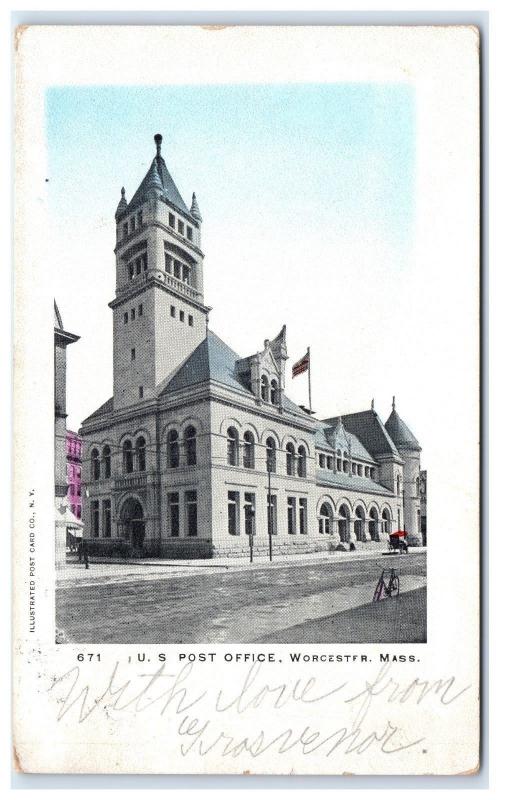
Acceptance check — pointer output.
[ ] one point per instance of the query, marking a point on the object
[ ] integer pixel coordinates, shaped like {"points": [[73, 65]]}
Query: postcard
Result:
{"points": [[246, 357]]}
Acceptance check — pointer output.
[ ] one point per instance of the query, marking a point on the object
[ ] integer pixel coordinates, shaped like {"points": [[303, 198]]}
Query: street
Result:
{"points": [[324, 601]]}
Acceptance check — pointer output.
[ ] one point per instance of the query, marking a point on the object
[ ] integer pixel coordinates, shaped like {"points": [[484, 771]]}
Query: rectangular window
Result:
{"points": [[106, 519], [141, 392], [339, 464], [173, 513], [168, 263], [189, 233], [171, 220], [190, 320], [233, 508], [132, 314], [250, 513], [172, 311], [138, 265], [302, 514], [372, 473], [191, 513], [95, 518], [144, 261], [181, 316], [131, 271], [185, 274], [329, 462], [291, 515], [272, 514], [133, 354], [180, 227], [177, 269], [354, 469], [125, 230], [133, 223], [141, 310], [360, 470], [139, 218], [321, 460]]}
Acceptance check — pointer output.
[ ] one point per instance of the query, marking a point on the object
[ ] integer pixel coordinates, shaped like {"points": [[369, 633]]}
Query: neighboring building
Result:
{"points": [[199, 448], [74, 468], [62, 339], [423, 492]]}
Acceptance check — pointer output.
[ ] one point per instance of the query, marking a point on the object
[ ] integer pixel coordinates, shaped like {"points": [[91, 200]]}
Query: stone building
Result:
{"points": [[423, 492], [63, 515], [74, 473], [200, 448]]}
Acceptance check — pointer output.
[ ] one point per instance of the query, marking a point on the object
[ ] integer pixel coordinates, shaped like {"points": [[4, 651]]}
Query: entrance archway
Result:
{"points": [[325, 519], [134, 526], [386, 521], [344, 523], [359, 525], [373, 525]]}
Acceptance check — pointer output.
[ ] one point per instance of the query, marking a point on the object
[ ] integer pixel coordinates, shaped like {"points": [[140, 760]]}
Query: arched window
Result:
{"points": [[302, 462], [190, 445], [95, 464], [271, 454], [274, 392], [325, 517], [232, 448], [141, 454], [290, 459], [398, 484], [173, 448], [106, 461], [344, 523], [248, 450], [359, 525], [127, 456], [339, 461], [264, 388], [417, 487], [373, 525]]}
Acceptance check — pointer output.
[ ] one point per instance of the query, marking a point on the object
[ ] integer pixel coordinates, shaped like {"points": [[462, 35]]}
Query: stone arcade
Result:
{"points": [[178, 462]]}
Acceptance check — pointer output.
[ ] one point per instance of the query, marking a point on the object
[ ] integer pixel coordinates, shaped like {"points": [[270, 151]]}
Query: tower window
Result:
{"points": [[139, 218], [172, 311], [190, 320], [133, 223], [171, 220], [141, 392], [125, 230], [185, 273], [131, 271], [141, 310], [125, 317], [144, 261], [181, 316], [180, 227], [133, 354], [177, 269], [133, 314], [138, 265], [189, 232], [168, 263]]}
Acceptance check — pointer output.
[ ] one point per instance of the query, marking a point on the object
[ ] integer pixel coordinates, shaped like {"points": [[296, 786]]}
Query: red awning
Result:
{"points": [[399, 534]]}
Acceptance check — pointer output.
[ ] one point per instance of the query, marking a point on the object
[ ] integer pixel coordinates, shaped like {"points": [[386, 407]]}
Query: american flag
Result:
{"points": [[302, 365]]}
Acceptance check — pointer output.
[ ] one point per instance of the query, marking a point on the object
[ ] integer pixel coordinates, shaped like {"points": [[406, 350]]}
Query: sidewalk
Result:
{"points": [[119, 571]]}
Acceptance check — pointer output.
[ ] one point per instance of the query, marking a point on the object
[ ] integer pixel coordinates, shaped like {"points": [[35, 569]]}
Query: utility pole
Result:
{"points": [[269, 466]]}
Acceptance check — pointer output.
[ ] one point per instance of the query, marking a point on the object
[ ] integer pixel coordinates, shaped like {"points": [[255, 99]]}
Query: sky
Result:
{"points": [[307, 194]]}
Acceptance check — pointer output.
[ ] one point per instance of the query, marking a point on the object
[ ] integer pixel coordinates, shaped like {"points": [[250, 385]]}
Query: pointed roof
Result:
{"points": [[159, 180], [194, 210], [370, 431], [402, 436], [58, 322]]}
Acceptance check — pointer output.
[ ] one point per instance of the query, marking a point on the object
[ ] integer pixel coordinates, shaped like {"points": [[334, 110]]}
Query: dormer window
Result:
{"points": [[125, 230], [264, 388], [171, 220], [140, 219], [180, 227], [133, 223], [189, 232], [274, 392], [131, 271]]}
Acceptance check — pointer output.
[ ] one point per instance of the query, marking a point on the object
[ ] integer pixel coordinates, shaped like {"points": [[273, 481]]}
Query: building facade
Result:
{"points": [[63, 518], [74, 473], [200, 452]]}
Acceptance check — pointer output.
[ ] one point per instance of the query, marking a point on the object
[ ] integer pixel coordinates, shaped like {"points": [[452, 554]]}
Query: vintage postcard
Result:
{"points": [[247, 400]]}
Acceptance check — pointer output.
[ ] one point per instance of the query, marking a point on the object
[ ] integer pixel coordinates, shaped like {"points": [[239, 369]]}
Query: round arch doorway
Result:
{"points": [[134, 526]]}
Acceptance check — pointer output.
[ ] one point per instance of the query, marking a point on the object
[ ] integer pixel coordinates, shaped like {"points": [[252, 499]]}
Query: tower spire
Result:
{"points": [[194, 210]]}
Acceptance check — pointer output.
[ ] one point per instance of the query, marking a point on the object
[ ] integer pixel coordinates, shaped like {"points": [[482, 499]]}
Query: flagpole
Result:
{"points": [[310, 390]]}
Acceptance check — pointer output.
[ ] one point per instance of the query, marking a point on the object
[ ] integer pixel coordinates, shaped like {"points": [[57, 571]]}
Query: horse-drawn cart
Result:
{"points": [[398, 542]]}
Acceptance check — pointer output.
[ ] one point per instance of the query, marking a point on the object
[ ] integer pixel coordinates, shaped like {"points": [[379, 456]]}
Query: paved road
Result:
{"points": [[319, 602]]}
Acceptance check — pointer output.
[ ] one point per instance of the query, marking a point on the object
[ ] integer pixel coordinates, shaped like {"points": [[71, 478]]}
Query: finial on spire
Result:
{"points": [[123, 191], [373, 403], [158, 138], [122, 205], [194, 210], [394, 403]]}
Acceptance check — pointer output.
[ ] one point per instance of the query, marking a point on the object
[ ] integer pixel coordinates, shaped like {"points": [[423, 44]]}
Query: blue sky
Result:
{"points": [[307, 195]]}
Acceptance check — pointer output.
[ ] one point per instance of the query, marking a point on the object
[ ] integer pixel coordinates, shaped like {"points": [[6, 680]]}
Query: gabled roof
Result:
{"points": [[342, 439], [211, 360], [159, 177], [369, 429], [400, 433], [106, 408]]}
